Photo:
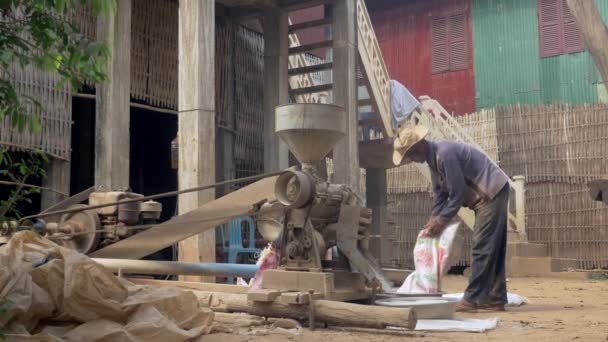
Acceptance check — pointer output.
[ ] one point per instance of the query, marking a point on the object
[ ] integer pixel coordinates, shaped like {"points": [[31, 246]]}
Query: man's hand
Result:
{"points": [[434, 227]]}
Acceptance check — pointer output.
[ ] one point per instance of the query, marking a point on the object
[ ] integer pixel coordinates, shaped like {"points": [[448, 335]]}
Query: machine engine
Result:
{"points": [[90, 229]]}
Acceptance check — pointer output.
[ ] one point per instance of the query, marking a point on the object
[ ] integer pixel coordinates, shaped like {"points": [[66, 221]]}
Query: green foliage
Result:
{"points": [[39, 33], [598, 276], [18, 170]]}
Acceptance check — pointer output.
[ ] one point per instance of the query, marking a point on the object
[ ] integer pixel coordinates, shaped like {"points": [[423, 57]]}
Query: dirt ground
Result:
{"points": [[560, 310]]}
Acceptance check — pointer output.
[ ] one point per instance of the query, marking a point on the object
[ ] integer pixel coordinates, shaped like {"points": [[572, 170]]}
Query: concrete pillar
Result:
{"points": [[346, 152], [58, 179], [112, 111], [376, 194], [196, 122], [276, 85]]}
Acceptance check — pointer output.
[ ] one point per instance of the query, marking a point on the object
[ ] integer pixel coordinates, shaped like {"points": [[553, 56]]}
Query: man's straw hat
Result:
{"points": [[408, 137]]}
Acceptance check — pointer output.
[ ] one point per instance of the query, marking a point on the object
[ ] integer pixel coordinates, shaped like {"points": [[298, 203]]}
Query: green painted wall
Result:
{"points": [[508, 67]]}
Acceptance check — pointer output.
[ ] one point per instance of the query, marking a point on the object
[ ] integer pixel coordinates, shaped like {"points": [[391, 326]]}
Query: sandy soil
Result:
{"points": [[560, 310]]}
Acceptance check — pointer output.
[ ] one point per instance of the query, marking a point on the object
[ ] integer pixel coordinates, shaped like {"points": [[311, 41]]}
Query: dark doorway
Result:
{"points": [[150, 169], [82, 164], [150, 154]]}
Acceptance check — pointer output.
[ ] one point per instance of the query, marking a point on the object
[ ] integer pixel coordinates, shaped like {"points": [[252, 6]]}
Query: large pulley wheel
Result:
{"points": [[81, 229]]}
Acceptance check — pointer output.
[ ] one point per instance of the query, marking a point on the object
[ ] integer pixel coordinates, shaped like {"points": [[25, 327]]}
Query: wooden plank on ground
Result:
{"points": [[263, 295], [298, 281], [224, 288]]}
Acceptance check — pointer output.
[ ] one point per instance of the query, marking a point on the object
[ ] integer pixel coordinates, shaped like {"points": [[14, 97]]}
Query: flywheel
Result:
{"points": [[81, 229]]}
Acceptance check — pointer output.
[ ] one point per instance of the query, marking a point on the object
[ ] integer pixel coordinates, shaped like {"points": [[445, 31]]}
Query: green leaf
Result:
{"points": [[21, 123], [60, 5]]}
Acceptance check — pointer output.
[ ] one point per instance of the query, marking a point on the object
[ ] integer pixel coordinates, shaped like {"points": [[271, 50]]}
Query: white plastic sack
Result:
{"points": [[432, 258]]}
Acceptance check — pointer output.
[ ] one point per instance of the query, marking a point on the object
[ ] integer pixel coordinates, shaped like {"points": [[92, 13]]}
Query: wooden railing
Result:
{"points": [[372, 64]]}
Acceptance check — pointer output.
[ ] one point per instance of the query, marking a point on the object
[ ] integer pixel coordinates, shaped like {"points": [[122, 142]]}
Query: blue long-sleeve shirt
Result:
{"points": [[461, 176]]}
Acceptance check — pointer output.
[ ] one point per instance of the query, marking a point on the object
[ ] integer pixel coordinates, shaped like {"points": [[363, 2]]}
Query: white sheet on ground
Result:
{"points": [[512, 298], [466, 324]]}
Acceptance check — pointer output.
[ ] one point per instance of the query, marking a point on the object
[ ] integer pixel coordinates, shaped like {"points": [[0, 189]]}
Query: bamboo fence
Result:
{"points": [[558, 143], [558, 148], [154, 52], [565, 218], [55, 115]]}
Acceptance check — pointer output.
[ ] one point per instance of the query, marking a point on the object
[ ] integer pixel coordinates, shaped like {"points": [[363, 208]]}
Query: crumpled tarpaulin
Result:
{"points": [[57, 294]]}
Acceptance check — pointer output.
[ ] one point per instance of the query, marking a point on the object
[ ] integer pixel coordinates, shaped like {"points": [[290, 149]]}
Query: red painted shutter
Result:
{"points": [[440, 58], [549, 28], [573, 39], [458, 41]]}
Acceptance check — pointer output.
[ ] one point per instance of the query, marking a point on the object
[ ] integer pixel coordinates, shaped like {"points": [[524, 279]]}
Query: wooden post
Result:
{"points": [[112, 111], [276, 85], [519, 185], [376, 194], [594, 31], [57, 178], [196, 122], [345, 155]]}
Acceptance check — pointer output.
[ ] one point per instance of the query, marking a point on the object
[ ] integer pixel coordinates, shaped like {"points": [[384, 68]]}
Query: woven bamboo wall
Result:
{"points": [[154, 52], [564, 217], [556, 143], [558, 148], [248, 101], [54, 137], [410, 212]]}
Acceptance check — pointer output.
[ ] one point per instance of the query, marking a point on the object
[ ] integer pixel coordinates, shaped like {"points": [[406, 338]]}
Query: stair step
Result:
{"points": [[309, 24], [312, 46], [526, 249], [538, 267], [311, 68], [310, 90], [365, 102], [369, 122]]}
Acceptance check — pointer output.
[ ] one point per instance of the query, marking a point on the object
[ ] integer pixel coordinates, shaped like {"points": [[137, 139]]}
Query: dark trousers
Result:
{"points": [[487, 284]]}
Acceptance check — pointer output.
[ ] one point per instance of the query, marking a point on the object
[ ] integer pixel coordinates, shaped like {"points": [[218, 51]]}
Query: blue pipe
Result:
{"points": [[178, 268]]}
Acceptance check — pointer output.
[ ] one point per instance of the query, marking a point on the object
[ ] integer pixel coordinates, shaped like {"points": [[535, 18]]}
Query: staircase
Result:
{"points": [[372, 76], [375, 149]]}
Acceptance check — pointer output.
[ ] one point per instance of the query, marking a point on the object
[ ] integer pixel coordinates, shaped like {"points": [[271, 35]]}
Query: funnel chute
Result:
{"points": [[310, 130]]}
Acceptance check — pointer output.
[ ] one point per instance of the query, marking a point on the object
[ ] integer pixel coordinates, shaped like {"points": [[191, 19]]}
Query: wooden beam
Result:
{"points": [[276, 85], [294, 5], [225, 288], [310, 68], [594, 31], [310, 90], [112, 112], [331, 312], [310, 47], [196, 122], [309, 24], [345, 155]]}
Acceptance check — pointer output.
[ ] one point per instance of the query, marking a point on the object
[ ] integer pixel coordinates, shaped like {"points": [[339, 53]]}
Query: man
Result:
{"points": [[464, 176]]}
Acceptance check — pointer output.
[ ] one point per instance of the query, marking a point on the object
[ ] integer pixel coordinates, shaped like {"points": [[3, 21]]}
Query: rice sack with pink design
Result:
{"points": [[432, 259]]}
